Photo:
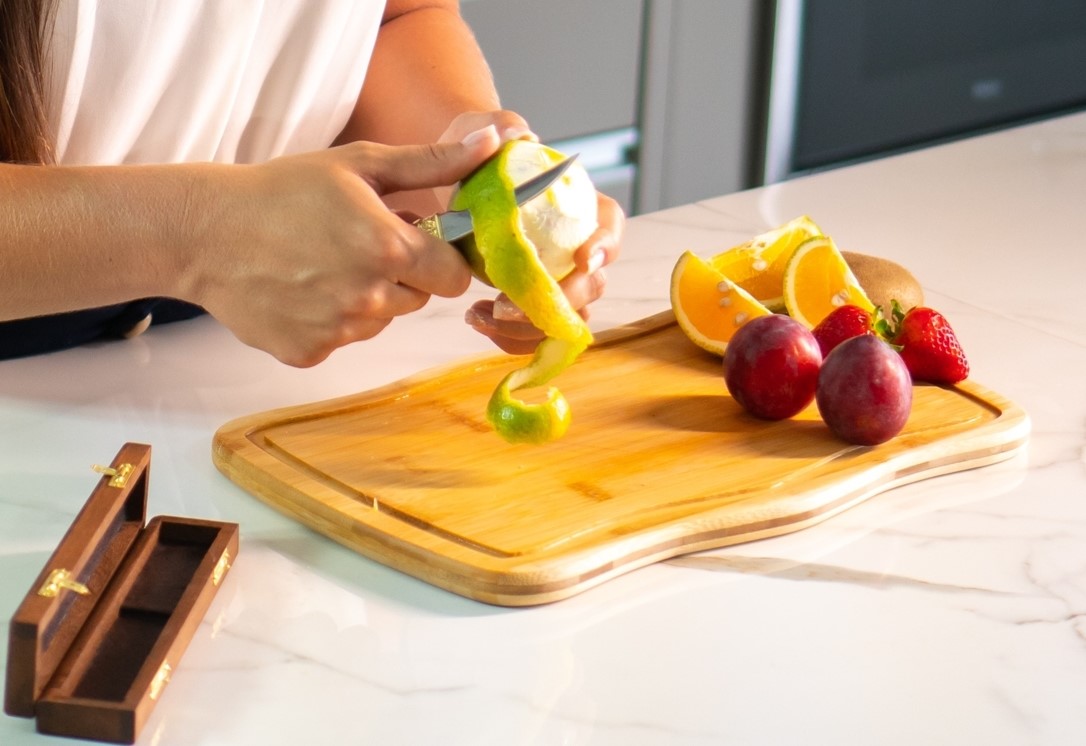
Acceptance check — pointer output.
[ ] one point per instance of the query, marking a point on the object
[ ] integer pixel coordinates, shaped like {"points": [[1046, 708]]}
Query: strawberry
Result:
{"points": [[843, 322], [928, 346]]}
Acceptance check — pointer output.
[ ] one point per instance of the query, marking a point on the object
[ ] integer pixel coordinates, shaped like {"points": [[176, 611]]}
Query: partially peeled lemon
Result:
{"points": [[523, 251], [555, 223]]}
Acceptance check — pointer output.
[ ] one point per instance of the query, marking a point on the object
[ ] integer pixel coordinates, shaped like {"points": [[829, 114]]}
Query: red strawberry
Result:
{"points": [[843, 322], [929, 347]]}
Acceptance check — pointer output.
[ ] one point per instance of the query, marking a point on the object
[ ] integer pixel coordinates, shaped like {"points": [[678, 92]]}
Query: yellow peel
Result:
{"points": [[512, 265]]}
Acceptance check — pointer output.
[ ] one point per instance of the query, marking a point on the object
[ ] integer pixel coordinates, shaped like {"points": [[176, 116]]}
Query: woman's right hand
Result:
{"points": [[300, 256]]}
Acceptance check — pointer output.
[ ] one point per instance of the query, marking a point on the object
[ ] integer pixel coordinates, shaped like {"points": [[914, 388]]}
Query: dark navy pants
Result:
{"points": [[60, 331]]}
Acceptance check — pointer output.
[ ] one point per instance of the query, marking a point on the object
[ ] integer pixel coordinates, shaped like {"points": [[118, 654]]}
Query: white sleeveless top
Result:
{"points": [[233, 81]]}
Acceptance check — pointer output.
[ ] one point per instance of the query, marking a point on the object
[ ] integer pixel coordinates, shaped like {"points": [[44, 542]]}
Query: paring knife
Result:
{"points": [[454, 224]]}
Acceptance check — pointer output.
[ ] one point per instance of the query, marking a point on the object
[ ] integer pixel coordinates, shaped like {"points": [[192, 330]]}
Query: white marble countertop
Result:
{"points": [[948, 611]]}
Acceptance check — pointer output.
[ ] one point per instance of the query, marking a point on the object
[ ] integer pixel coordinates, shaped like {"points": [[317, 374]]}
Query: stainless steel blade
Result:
{"points": [[455, 224]]}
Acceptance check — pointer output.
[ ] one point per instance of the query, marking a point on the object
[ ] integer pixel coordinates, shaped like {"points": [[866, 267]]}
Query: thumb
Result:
{"points": [[404, 167]]}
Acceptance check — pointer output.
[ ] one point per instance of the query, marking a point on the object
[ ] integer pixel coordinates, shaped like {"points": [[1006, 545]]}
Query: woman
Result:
{"points": [[161, 159]]}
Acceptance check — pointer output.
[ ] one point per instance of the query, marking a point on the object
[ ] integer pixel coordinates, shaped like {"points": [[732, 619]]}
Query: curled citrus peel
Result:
{"points": [[512, 264]]}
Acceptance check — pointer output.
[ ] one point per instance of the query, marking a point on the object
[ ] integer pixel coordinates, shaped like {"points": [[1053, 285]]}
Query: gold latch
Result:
{"points": [[61, 578], [119, 475], [161, 679], [220, 568]]}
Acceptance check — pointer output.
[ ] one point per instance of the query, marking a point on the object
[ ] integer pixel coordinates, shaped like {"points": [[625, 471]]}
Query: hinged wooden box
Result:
{"points": [[100, 632]]}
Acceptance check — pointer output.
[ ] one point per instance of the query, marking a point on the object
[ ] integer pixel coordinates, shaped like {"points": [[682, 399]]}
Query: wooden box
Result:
{"points": [[101, 631]]}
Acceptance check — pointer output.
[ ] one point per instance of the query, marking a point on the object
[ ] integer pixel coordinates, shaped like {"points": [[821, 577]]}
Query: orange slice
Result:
{"points": [[817, 280], [708, 306], [758, 265]]}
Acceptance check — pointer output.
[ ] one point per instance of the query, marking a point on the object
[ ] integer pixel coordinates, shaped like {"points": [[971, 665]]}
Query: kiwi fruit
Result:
{"points": [[884, 280]]}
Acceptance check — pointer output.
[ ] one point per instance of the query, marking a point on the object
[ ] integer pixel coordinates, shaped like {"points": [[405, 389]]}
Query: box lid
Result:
{"points": [[68, 587]]}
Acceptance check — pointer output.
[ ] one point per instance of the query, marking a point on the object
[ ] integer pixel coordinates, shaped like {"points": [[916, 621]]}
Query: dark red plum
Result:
{"points": [[865, 391], [771, 366]]}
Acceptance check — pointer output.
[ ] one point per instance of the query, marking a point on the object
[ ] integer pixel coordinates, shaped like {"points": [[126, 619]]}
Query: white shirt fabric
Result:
{"points": [[233, 81]]}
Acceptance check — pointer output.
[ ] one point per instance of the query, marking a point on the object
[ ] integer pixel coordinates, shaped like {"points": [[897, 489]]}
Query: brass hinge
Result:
{"points": [[220, 568], [61, 578], [119, 475], [161, 679]]}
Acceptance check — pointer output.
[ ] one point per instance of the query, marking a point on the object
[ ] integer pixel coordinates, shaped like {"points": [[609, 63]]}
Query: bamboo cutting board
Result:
{"points": [[659, 461]]}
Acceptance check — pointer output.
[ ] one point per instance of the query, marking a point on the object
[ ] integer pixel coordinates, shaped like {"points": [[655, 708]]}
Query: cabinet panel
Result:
{"points": [[660, 95], [570, 67], [701, 87]]}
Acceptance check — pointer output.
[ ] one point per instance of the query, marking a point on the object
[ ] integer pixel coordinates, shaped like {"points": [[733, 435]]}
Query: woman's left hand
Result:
{"points": [[510, 329]]}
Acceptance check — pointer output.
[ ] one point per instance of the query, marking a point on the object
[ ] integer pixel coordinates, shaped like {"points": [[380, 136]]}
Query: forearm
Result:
{"points": [[426, 69], [79, 237], [296, 256]]}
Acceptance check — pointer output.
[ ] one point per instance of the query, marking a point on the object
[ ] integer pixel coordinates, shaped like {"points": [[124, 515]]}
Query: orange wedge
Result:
{"points": [[708, 306], [757, 266], [817, 280]]}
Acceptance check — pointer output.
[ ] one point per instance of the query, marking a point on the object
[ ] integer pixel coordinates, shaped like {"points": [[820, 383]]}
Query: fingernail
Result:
{"points": [[596, 260], [476, 137], [518, 133], [506, 310], [474, 318]]}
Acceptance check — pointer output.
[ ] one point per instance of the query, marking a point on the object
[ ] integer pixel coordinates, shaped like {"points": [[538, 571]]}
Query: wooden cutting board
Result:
{"points": [[659, 461]]}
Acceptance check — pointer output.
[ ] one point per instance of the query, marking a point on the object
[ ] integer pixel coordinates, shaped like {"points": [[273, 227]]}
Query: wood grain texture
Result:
{"points": [[659, 461]]}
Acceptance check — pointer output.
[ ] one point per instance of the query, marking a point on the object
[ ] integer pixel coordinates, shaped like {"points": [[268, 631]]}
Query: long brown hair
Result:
{"points": [[25, 26]]}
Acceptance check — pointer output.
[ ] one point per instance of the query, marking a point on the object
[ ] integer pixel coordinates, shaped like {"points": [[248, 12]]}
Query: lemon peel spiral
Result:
{"points": [[503, 254]]}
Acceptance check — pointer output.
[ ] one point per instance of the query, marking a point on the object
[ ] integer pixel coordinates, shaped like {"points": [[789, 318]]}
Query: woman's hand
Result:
{"points": [[509, 126], [507, 325], [499, 319], [303, 256]]}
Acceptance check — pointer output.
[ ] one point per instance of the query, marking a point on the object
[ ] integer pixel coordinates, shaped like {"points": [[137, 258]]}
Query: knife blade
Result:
{"points": [[454, 224]]}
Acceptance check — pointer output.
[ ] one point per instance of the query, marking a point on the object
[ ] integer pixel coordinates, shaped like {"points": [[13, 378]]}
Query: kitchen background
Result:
{"points": [[672, 101]]}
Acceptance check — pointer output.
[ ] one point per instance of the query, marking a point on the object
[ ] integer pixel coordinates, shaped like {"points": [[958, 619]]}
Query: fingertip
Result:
{"points": [[506, 310], [513, 338], [488, 135], [596, 259], [516, 132], [456, 283]]}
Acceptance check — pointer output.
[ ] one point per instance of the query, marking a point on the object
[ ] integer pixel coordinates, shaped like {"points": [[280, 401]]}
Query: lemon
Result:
{"points": [[523, 251], [555, 223]]}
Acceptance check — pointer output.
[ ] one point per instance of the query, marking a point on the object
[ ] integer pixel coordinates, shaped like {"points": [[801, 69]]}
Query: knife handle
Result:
{"points": [[431, 225]]}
